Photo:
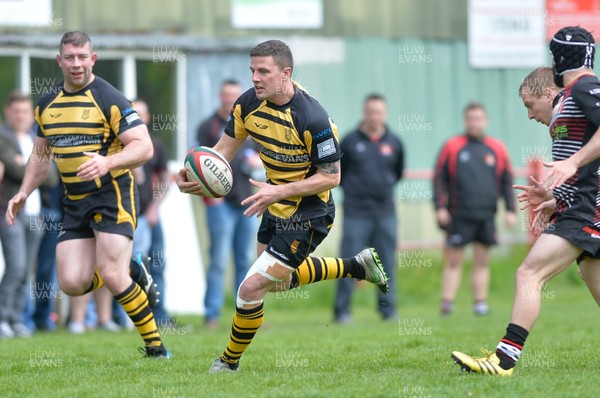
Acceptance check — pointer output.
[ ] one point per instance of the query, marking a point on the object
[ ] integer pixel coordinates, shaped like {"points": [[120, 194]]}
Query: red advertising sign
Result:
{"points": [[584, 13]]}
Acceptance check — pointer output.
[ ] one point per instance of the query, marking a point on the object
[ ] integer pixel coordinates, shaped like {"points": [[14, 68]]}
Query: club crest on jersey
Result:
{"points": [[288, 135], [85, 115], [560, 132], [294, 246], [386, 149], [489, 159]]}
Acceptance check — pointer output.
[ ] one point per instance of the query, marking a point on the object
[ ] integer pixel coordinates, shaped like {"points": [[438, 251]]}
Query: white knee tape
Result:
{"points": [[260, 266], [241, 302]]}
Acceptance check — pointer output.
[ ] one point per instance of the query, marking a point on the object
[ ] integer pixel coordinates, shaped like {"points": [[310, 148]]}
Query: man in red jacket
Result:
{"points": [[471, 173]]}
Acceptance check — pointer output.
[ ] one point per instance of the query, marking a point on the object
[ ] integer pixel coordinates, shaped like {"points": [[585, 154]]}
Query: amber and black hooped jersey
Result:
{"points": [[292, 139], [89, 120], [577, 118]]}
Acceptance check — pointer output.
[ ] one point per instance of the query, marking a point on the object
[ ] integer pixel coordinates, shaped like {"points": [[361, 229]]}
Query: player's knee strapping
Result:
{"points": [[264, 265]]}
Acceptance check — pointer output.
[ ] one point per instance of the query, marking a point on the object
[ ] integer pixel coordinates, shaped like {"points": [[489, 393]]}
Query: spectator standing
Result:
{"points": [[372, 164], [472, 172]]}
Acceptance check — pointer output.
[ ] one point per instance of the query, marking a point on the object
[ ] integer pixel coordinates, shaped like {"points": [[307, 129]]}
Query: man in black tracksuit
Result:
{"points": [[372, 164], [471, 173]]}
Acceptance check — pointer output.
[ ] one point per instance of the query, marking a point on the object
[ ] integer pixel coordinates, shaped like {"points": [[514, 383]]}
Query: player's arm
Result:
{"points": [[587, 98], [565, 169], [327, 177], [441, 179], [229, 146], [400, 162], [35, 173], [533, 195], [137, 150]]}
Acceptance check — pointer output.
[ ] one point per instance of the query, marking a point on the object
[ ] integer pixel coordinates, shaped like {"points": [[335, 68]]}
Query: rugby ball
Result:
{"points": [[209, 169]]}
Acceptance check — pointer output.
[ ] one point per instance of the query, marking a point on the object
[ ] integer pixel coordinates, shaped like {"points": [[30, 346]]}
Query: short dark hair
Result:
{"points": [[281, 53], [230, 82], [473, 105], [76, 38], [538, 80], [374, 97], [16, 96]]}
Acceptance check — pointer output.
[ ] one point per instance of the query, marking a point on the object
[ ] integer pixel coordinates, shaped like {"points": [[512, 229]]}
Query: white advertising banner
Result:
{"points": [[277, 14], [507, 33]]}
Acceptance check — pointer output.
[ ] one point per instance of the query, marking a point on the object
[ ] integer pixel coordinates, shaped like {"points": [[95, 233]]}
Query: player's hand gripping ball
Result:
{"points": [[209, 169]]}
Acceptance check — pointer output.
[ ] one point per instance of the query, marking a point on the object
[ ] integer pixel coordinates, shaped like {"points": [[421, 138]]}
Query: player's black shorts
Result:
{"points": [[293, 241], [113, 209], [462, 231], [577, 231]]}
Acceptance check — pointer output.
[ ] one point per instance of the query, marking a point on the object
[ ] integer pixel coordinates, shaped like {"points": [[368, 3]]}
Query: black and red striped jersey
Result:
{"points": [[471, 175], [576, 120]]}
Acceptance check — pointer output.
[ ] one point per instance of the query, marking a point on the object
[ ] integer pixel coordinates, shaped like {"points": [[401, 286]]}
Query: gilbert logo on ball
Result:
{"points": [[209, 169]]}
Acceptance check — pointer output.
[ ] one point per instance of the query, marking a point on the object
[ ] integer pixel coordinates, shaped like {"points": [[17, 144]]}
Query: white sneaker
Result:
{"points": [[481, 308], [220, 366], [110, 326], [20, 330], [6, 331], [76, 328]]}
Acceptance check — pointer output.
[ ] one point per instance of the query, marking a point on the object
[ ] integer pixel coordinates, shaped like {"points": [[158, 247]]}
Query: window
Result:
{"points": [[156, 86], [9, 78]]}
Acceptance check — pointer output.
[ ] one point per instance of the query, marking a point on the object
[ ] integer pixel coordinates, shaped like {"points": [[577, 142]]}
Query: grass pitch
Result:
{"points": [[299, 352]]}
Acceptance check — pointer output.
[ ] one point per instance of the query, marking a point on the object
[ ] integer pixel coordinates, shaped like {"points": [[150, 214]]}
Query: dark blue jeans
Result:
{"points": [[157, 270], [359, 233], [46, 282]]}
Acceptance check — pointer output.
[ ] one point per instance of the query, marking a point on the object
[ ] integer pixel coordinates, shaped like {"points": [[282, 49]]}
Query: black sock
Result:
{"points": [[134, 270], [510, 346], [354, 268]]}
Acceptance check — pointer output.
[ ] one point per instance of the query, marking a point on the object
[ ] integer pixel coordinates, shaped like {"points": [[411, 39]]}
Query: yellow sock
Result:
{"points": [[245, 325], [135, 302], [97, 282], [316, 269]]}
